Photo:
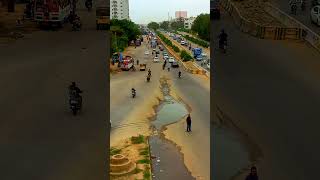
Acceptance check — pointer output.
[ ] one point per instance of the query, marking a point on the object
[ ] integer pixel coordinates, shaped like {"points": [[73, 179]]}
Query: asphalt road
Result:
{"points": [[189, 87], [39, 136], [271, 88], [303, 17]]}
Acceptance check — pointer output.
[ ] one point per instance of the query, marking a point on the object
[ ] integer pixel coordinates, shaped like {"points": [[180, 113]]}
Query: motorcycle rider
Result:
{"points": [[149, 72], [133, 91], [222, 38], [74, 92], [179, 74]]}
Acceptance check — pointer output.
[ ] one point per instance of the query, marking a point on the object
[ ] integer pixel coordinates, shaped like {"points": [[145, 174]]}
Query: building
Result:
{"points": [[188, 22], [181, 14], [119, 9]]}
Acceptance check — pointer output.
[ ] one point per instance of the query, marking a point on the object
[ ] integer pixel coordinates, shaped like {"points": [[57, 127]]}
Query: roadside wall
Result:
{"points": [[263, 32]]}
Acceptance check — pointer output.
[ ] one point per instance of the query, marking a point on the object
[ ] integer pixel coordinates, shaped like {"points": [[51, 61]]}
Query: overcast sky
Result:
{"points": [[145, 11]]}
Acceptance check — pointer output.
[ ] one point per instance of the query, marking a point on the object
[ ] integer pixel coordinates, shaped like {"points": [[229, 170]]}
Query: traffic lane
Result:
{"points": [[194, 90], [303, 17], [262, 88], [37, 126], [122, 83]]}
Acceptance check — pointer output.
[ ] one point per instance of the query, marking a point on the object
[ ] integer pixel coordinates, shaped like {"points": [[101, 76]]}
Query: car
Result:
{"points": [[199, 58], [204, 54], [153, 49], [171, 59], [165, 57], [146, 53], [164, 52], [156, 59], [182, 43], [315, 14], [175, 64]]}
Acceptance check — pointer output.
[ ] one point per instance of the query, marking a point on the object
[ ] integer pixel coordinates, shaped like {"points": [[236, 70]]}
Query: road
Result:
{"points": [[206, 50], [131, 116], [274, 95], [303, 17], [40, 138]]}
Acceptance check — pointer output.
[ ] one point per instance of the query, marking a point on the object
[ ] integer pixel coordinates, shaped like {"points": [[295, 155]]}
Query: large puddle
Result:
{"points": [[168, 161]]}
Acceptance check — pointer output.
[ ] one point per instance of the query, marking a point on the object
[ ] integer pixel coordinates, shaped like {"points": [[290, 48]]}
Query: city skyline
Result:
{"points": [[158, 12]]}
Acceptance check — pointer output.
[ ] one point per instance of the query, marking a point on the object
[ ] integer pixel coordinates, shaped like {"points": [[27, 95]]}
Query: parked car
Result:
{"points": [[182, 43], [171, 59], [153, 49], [156, 59], [175, 64], [315, 14], [165, 57], [146, 53]]}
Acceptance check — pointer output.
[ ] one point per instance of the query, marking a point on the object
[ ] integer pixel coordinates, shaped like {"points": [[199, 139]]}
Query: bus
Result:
{"points": [[52, 12]]}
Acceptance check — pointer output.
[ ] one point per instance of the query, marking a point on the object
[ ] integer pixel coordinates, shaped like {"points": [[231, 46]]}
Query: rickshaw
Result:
{"points": [[102, 18], [143, 67]]}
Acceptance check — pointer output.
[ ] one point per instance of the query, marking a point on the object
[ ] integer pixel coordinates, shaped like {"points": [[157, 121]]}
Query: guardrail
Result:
{"points": [[259, 31]]}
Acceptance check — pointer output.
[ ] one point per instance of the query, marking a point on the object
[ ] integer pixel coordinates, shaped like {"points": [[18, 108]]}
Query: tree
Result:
{"points": [[175, 25], [153, 25], [201, 25], [164, 25]]}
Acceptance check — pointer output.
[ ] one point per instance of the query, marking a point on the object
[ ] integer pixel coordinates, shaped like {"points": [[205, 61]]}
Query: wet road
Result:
{"points": [[39, 137], [271, 89]]}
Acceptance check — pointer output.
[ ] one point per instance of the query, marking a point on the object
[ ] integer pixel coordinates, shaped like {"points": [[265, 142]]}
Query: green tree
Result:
{"points": [[164, 25], [201, 25], [153, 25], [178, 24]]}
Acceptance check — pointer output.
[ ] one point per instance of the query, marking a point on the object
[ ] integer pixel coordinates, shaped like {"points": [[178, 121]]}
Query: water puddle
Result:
{"points": [[167, 161]]}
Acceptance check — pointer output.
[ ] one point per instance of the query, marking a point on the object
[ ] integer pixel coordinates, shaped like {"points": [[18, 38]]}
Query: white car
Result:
{"points": [[165, 57], [204, 55], [315, 14], [146, 53], [171, 59], [208, 65], [156, 59]]}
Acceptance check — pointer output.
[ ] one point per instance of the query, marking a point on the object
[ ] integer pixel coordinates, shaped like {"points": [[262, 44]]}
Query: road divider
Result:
{"points": [[188, 66], [291, 32]]}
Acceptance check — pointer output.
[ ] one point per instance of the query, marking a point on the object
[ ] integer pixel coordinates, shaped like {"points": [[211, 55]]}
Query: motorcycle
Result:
{"points": [[179, 75], [294, 9], [223, 46], [148, 78], [133, 94], [75, 105], [303, 6], [89, 5]]}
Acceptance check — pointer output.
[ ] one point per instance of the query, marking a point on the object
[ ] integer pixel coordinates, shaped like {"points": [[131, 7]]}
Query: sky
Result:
{"points": [[145, 11]]}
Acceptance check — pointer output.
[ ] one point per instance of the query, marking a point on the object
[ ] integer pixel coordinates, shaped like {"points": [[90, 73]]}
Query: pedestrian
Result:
{"points": [[253, 174], [188, 123], [137, 61]]}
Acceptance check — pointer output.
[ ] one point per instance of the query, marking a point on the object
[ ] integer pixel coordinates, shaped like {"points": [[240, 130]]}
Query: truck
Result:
{"points": [[197, 53], [52, 12]]}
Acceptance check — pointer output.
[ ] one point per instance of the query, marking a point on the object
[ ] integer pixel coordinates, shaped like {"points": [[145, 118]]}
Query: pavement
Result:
{"points": [[303, 17], [273, 95], [39, 136], [130, 120]]}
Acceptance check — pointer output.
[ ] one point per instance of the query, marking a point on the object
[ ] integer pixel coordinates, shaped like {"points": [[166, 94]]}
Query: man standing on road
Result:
{"points": [[189, 123], [253, 174]]}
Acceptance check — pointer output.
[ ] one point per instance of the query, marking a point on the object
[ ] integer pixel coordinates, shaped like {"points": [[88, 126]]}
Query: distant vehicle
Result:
{"points": [[182, 43], [315, 14], [171, 59], [102, 18], [197, 53], [153, 49], [208, 65], [143, 67], [127, 63], [164, 52], [204, 54], [214, 10], [156, 59], [175, 64], [161, 48], [52, 12], [165, 57], [138, 42]]}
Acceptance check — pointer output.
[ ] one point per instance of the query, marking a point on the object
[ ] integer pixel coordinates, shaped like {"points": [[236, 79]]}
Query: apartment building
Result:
{"points": [[119, 9]]}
